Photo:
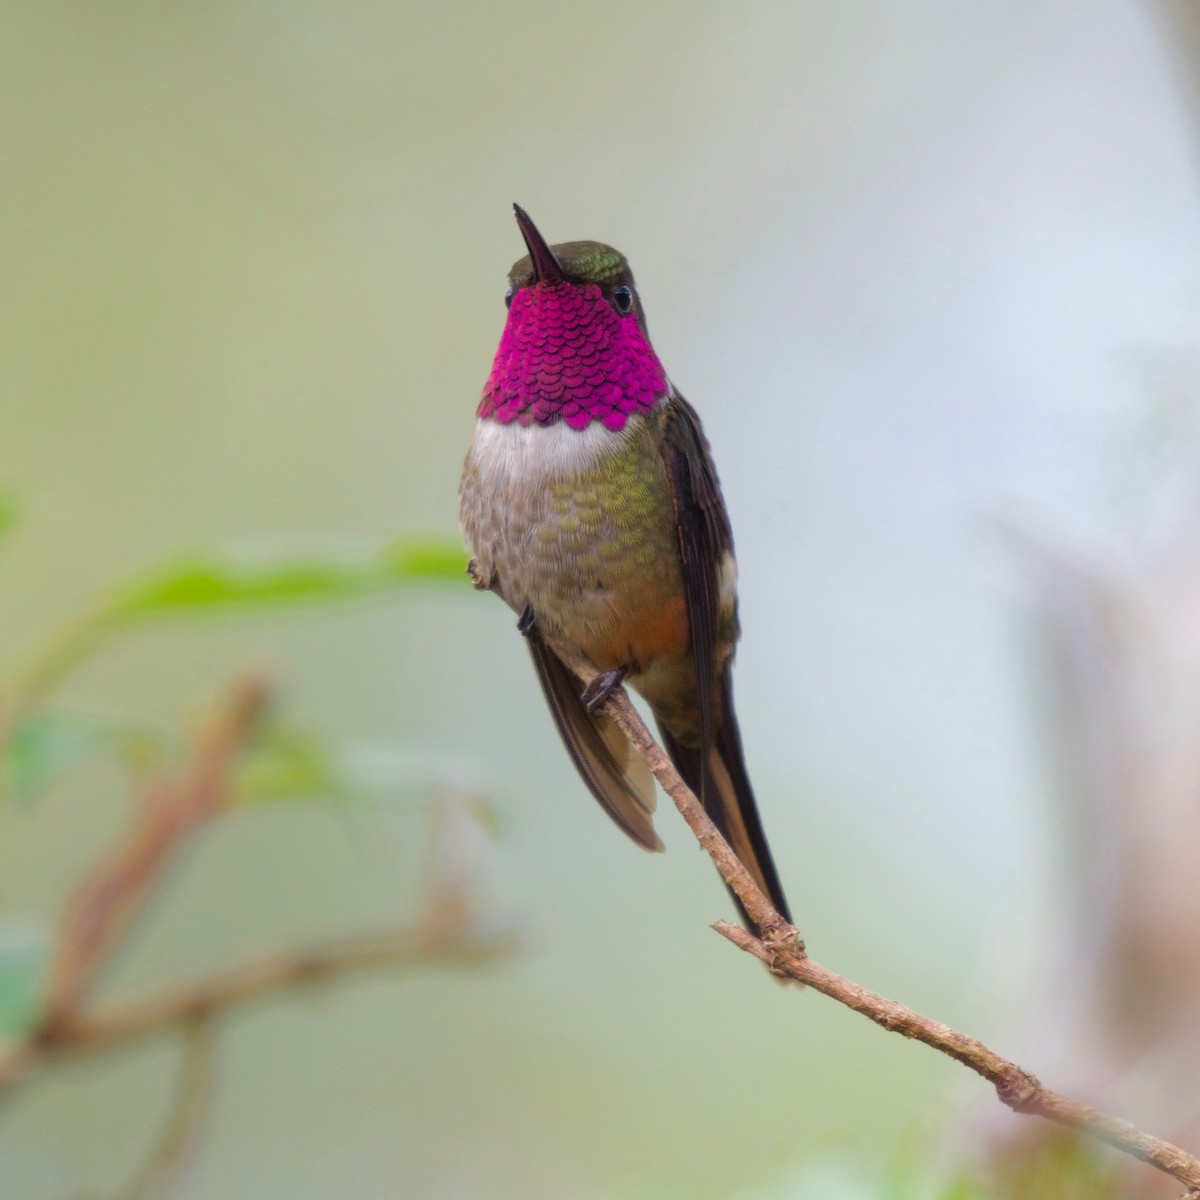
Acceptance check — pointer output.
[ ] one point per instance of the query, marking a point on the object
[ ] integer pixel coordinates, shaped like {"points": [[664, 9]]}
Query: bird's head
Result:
{"points": [[575, 347]]}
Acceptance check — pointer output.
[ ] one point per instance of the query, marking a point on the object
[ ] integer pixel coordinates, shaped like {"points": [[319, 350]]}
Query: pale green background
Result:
{"points": [[908, 259]]}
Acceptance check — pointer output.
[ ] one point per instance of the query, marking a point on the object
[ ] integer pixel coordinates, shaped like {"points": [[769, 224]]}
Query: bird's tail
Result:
{"points": [[720, 780]]}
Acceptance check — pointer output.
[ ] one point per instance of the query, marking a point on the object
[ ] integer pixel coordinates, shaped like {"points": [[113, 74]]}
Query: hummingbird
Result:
{"points": [[590, 502]]}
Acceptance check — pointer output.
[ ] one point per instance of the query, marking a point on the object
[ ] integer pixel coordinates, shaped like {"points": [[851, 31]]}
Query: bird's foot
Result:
{"points": [[478, 582], [601, 687], [527, 623]]}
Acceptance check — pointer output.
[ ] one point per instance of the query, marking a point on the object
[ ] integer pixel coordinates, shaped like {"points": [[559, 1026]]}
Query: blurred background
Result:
{"points": [[930, 272]]}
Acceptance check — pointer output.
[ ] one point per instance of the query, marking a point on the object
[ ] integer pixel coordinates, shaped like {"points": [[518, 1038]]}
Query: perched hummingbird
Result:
{"points": [[591, 504]]}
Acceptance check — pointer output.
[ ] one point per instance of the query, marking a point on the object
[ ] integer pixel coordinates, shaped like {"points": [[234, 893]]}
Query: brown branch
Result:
{"points": [[781, 948], [619, 707], [1016, 1087], [180, 1008], [177, 1143], [102, 912], [108, 902]]}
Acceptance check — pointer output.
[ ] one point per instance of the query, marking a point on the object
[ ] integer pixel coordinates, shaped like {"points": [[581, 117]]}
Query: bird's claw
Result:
{"points": [[478, 582], [601, 687]]}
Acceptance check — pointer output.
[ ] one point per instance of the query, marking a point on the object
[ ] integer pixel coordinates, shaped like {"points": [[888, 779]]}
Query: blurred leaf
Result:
{"points": [[219, 583], [213, 583], [22, 957], [288, 763], [43, 747]]}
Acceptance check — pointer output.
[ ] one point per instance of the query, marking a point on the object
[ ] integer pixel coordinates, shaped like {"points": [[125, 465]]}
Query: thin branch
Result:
{"points": [[180, 1007], [1016, 1087], [735, 875], [177, 1144], [107, 904], [781, 948]]}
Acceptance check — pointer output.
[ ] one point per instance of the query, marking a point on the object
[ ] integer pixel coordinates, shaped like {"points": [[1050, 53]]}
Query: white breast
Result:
{"points": [[508, 455]]}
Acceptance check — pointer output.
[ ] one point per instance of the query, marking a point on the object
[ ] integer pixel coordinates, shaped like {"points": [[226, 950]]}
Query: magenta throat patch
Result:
{"points": [[566, 355]]}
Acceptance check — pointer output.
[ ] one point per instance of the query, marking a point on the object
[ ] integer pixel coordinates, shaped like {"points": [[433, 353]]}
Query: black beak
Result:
{"points": [[545, 265]]}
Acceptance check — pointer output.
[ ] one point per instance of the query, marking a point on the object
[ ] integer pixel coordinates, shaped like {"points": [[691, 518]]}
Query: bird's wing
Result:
{"points": [[613, 772], [716, 769], [704, 539]]}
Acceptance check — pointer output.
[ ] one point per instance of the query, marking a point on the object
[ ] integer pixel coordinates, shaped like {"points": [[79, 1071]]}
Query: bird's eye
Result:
{"points": [[508, 297], [623, 299]]}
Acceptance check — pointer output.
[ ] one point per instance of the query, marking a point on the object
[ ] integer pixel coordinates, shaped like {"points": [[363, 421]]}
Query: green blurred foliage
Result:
{"points": [[45, 745], [42, 744], [287, 762], [217, 584], [214, 584]]}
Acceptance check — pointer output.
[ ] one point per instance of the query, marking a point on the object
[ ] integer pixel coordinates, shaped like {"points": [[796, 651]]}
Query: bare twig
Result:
{"points": [[782, 950], [105, 906], [1016, 1087], [108, 902], [177, 1143], [179, 1007]]}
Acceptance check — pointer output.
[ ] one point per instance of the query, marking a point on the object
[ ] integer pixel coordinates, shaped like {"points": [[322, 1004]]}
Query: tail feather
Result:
{"points": [[721, 782]]}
